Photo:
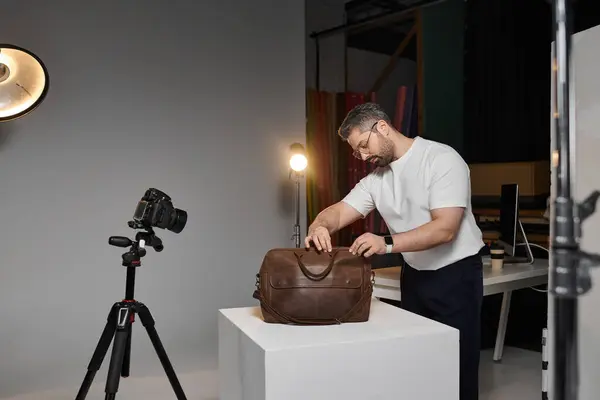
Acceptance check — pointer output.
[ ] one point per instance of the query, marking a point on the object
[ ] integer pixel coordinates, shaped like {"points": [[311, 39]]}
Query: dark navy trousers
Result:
{"points": [[451, 295]]}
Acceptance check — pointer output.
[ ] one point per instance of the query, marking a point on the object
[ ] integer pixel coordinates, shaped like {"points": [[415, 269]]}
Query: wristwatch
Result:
{"points": [[389, 243]]}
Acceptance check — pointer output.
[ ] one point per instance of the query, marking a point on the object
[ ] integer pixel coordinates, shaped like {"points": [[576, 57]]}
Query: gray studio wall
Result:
{"points": [[585, 65], [197, 98]]}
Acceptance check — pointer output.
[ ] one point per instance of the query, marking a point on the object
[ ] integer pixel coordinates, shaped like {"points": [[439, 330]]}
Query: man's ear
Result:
{"points": [[383, 128]]}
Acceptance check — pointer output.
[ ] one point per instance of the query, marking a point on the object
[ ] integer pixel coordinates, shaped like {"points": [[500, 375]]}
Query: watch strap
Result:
{"points": [[389, 243]]}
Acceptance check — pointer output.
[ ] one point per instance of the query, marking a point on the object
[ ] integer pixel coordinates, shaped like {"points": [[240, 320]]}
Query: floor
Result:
{"points": [[518, 377]]}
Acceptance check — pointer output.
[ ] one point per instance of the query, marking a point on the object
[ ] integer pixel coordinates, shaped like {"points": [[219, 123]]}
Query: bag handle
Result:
{"points": [[310, 275]]}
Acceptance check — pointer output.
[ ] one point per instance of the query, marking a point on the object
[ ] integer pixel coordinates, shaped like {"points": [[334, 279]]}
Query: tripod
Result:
{"points": [[119, 324]]}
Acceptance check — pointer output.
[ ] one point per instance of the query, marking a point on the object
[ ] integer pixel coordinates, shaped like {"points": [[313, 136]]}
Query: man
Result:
{"points": [[422, 190]]}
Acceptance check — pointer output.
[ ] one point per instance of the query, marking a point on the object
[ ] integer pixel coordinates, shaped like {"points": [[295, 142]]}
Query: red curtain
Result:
{"points": [[322, 187], [357, 169]]}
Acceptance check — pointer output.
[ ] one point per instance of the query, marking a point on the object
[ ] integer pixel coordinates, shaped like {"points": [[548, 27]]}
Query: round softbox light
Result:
{"points": [[23, 82]]}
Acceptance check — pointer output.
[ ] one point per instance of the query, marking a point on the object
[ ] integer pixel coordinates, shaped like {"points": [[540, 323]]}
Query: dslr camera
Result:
{"points": [[156, 209]]}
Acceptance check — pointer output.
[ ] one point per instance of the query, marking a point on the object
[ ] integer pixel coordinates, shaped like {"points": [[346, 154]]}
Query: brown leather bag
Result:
{"points": [[308, 287]]}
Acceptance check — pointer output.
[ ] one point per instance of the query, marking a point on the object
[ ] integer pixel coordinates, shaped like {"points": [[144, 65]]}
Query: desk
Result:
{"points": [[511, 277]]}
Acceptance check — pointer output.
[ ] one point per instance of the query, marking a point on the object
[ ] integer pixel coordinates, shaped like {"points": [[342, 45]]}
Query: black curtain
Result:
{"points": [[507, 80]]}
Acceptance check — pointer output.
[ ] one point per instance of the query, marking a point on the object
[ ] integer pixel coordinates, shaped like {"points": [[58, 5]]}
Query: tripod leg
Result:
{"points": [[125, 370], [124, 317], [99, 353], [148, 322]]}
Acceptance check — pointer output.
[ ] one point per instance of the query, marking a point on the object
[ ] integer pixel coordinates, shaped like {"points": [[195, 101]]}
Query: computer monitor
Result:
{"points": [[510, 224], [509, 217]]}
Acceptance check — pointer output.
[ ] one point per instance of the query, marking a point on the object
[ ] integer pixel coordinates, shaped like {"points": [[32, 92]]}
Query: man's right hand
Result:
{"points": [[320, 237]]}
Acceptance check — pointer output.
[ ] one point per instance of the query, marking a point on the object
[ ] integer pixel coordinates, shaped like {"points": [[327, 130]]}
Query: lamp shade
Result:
{"points": [[23, 82], [298, 160]]}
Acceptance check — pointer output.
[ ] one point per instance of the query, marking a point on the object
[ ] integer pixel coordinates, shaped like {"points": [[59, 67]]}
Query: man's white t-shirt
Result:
{"points": [[430, 175]]}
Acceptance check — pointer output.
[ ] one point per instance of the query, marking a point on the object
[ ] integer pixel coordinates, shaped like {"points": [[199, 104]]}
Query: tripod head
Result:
{"points": [[137, 247]]}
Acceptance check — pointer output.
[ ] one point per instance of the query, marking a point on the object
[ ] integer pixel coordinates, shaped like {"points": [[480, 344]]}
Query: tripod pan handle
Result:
{"points": [[120, 241]]}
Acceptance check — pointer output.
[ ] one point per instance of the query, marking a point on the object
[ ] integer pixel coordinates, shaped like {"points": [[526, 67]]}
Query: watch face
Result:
{"points": [[389, 240]]}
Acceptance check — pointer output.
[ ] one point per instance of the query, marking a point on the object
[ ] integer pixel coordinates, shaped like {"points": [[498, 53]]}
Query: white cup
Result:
{"points": [[497, 256]]}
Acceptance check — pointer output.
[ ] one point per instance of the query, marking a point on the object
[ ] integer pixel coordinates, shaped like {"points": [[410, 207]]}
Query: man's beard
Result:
{"points": [[386, 153]]}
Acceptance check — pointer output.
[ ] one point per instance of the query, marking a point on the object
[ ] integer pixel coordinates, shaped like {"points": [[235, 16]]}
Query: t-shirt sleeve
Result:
{"points": [[360, 197], [449, 184]]}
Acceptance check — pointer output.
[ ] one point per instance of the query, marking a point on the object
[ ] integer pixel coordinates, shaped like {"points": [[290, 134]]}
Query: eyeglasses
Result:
{"points": [[360, 149]]}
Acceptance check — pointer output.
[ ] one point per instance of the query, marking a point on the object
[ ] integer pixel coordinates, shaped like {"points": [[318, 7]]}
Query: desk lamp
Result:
{"points": [[298, 163], [23, 82]]}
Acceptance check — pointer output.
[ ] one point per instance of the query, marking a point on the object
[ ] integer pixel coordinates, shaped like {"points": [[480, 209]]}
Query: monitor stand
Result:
{"points": [[521, 260]]}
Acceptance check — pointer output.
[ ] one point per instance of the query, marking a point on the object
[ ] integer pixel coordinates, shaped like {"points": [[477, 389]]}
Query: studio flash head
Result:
{"points": [[156, 209]]}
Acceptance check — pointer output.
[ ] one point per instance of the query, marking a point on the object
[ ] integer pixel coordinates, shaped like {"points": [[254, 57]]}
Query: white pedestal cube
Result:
{"points": [[395, 355]]}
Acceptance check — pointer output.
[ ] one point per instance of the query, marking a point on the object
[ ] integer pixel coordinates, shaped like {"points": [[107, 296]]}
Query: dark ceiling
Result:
{"points": [[385, 37], [382, 37]]}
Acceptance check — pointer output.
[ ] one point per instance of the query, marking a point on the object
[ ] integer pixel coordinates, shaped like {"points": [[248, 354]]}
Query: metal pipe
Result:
{"points": [[297, 177], [297, 226], [565, 248]]}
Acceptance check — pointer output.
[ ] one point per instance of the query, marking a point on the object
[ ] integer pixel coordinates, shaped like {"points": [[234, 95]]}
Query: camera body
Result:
{"points": [[155, 209]]}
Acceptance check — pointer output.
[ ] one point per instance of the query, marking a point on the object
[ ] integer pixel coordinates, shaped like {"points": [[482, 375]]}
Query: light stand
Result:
{"points": [[569, 266], [298, 163], [296, 236]]}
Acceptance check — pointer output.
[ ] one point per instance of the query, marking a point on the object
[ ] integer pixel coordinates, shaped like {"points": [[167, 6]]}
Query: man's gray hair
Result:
{"points": [[363, 116]]}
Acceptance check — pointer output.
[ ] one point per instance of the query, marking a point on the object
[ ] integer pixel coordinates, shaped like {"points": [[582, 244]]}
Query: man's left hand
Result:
{"points": [[368, 244]]}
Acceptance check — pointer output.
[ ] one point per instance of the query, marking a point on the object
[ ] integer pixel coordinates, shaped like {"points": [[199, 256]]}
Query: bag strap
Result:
{"points": [[310, 275], [366, 296]]}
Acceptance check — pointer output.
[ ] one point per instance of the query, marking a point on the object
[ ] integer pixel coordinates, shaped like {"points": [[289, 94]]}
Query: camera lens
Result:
{"points": [[178, 220]]}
